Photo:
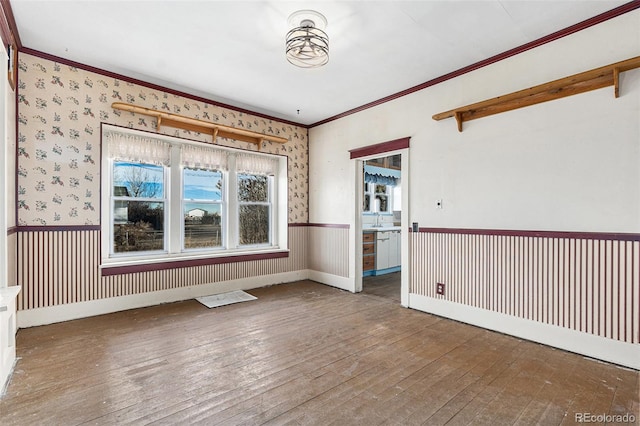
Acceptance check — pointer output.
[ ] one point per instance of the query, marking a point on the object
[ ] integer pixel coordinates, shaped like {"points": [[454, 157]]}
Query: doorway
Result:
{"points": [[382, 225], [386, 286]]}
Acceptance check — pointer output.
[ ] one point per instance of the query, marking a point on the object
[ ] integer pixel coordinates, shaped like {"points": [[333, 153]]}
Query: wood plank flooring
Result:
{"points": [[387, 285], [302, 354]]}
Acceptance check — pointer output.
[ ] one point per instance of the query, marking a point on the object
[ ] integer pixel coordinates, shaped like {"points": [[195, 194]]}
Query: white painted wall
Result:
{"points": [[7, 219], [4, 96], [7, 170], [568, 165]]}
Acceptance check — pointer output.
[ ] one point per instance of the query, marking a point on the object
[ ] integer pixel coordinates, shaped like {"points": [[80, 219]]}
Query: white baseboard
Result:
{"points": [[343, 283], [59, 313], [626, 354]]}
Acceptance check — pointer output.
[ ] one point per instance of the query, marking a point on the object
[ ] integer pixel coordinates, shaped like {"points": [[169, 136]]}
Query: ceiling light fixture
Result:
{"points": [[307, 45]]}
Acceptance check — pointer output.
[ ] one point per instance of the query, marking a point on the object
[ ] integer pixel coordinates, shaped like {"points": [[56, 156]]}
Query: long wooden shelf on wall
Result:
{"points": [[187, 123], [579, 83]]}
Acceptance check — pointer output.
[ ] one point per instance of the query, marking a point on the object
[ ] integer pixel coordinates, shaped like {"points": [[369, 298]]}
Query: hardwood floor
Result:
{"points": [[303, 353], [387, 285]]}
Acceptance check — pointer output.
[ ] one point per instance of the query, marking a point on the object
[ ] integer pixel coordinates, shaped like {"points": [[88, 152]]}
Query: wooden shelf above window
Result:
{"points": [[187, 123], [579, 83]]}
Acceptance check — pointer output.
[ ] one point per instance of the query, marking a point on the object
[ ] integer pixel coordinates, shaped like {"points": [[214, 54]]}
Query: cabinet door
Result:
{"points": [[393, 255], [396, 258], [383, 247]]}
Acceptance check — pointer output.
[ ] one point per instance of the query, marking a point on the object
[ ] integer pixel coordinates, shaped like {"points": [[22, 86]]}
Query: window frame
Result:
{"points": [[174, 208]]}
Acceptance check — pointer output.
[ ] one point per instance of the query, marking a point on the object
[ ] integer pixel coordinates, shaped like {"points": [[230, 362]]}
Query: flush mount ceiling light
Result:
{"points": [[307, 44]]}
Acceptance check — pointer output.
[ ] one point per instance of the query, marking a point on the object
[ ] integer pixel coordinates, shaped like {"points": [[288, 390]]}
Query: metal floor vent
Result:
{"points": [[216, 300]]}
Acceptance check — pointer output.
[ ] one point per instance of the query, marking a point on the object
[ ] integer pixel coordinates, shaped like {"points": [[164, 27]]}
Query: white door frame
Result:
{"points": [[404, 220]]}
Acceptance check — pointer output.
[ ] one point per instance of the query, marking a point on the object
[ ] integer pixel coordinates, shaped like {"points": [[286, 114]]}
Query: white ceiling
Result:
{"points": [[233, 51]]}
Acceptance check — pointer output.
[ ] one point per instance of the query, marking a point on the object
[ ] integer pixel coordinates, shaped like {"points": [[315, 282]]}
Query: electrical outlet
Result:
{"points": [[440, 288]]}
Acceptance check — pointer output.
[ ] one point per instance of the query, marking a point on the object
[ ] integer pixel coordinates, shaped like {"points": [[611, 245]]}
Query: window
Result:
{"points": [[202, 208], [377, 198], [366, 201], [254, 209], [174, 199], [379, 186], [138, 207], [382, 198]]}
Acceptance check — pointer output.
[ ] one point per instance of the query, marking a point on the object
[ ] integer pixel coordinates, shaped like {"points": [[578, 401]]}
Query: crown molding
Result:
{"points": [[613, 13]]}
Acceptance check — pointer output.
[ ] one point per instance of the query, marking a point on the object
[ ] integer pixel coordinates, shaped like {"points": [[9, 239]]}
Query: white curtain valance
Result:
{"points": [[138, 148], [203, 157], [256, 164]]}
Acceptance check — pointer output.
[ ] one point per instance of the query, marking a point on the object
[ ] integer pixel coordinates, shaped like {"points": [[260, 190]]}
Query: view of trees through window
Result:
{"points": [[139, 205], [254, 209]]}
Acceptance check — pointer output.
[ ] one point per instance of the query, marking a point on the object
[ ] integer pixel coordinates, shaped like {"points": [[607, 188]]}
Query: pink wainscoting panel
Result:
{"points": [[60, 265], [57, 267], [577, 281], [329, 250]]}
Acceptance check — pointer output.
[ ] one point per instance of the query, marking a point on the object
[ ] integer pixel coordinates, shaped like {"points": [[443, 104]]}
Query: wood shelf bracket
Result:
{"points": [[597, 78], [459, 120], [187, 123]]}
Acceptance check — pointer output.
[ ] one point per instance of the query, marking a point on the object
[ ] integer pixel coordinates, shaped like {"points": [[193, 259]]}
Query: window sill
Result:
{"points": [[114, 267]]}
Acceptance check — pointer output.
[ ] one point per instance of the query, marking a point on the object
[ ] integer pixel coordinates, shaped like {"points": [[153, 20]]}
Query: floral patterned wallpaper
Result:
{"points": [[60, 109]]}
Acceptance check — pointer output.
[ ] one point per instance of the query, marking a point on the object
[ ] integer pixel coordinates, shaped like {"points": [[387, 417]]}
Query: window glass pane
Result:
{"points": [[202, 225], [254, 224], [137, 226], [202, 185], [384, 206], [253, 188], [138, 180]]}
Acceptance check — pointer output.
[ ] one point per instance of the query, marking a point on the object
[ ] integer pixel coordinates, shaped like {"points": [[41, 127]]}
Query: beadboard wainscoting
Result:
{"points": [[577, 291], [59, 270], [329, 255]]}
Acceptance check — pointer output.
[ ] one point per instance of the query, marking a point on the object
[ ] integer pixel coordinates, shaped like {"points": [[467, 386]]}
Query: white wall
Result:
{"points": [[568, 165], [7, 171], [7, 219], [4, 118]]}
